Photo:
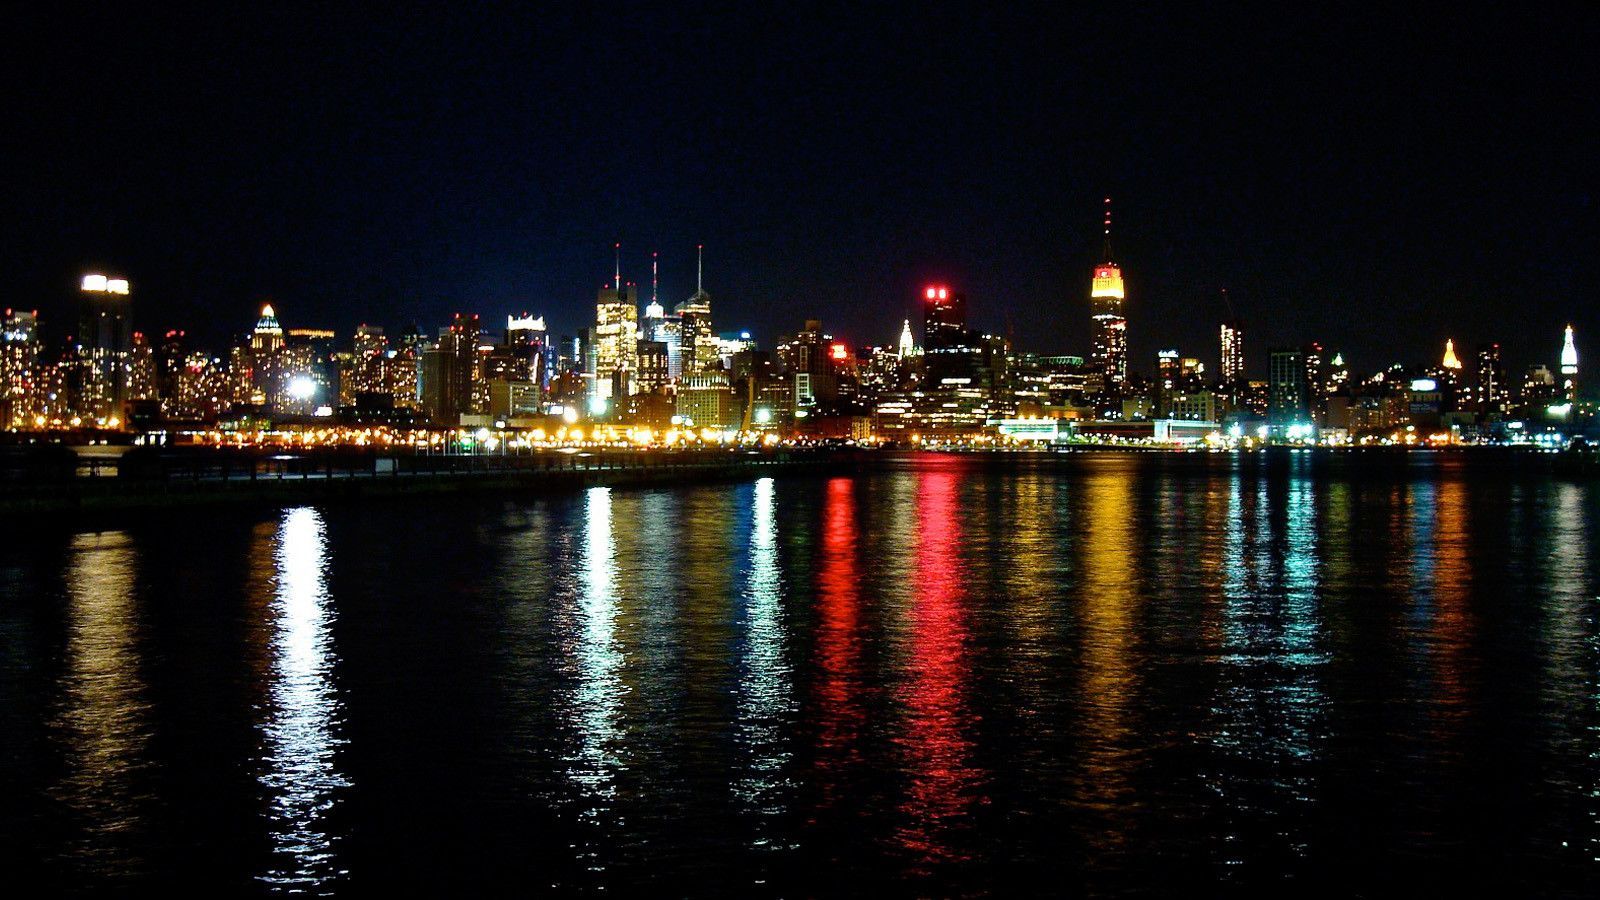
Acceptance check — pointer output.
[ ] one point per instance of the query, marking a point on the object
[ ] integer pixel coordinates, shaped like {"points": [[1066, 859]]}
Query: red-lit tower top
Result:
{"points": [[1107, 275], [944, 316]]}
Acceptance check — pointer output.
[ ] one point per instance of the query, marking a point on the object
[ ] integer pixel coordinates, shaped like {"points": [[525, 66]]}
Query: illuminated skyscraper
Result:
{"points": [[1290, 403], [268, 334], [1316, 372], [19, 370], [616, 337], [944, 318], [1232, 351], [697, 342], [527, 344], [447, 372], [1338, 373], [103, 344], [260, 370], [142, 369], [1493, 389], [1451, 361], [1111, 327], [1449, 377], [908, 345], [1168, 379], [1569, 367]]}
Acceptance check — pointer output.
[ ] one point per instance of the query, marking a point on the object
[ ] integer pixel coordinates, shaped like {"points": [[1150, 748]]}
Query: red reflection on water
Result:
{"points": [[943, 788], [840, 715]]}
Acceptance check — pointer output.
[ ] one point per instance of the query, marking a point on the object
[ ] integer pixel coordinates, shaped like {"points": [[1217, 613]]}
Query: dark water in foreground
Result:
{"points": [[1117, 674]]}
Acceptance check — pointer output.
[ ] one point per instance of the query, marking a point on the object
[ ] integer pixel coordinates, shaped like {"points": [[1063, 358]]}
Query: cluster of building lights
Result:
{"points": [[663, 379]]}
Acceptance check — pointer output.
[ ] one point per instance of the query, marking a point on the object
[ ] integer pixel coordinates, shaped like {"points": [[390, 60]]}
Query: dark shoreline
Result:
{"points": [[91, 501], [193, 480]]}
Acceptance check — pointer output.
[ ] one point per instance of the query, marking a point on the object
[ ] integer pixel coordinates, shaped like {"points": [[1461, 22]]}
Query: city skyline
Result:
{"points": [[55, 321], [1383, 208]]}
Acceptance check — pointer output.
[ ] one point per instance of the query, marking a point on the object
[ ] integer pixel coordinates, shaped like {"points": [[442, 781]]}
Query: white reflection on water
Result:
{"points": [[765, 693], [1572, 662], [302, 780], [595, 701], [1267, 715], [104, 721]]}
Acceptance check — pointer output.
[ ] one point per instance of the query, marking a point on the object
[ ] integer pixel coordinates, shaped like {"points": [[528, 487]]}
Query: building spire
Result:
{"points": [[655, 278], [1108, 230], [700, 269], [618, 281]]}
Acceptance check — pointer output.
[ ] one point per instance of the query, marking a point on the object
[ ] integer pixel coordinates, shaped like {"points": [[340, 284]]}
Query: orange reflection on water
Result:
{"points": [[943, 787], [104, 717], [1450, 632], [1110, 680], [840, 715]]}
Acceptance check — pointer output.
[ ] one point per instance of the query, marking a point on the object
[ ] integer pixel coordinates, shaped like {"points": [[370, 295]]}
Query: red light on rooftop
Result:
{"points": [[932, 292], [839, 351], [944, 293]]}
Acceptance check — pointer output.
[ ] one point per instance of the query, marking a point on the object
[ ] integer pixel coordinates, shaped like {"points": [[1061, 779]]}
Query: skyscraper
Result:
{"points": [[1168, 379], [944, 318], [1111, 327], [907, 344], [1232, 351], [19, 369], [1290, 402], [616, 337], [1569, 367], [261, 369], [1449, 378], [447, 368], [696, 341], [103, 344], [527, 343], [1493, 389], [1450, 360]]}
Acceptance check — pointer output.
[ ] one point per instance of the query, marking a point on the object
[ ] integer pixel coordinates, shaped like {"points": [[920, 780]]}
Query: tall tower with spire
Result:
{"points": [[1110, 326], [616, 338], [653, 310], [908, 345], [699, 342], [1569, 367]]}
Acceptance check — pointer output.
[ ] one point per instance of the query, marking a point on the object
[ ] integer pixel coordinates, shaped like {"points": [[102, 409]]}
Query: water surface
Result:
{"points": [[1114, 673]]}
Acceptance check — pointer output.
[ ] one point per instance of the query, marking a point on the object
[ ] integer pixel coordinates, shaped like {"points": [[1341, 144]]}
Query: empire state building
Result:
{"points": [[1110, 326]]}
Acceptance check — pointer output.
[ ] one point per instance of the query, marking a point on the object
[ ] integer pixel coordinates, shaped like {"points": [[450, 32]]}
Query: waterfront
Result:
{"points": [[1115, 672]]}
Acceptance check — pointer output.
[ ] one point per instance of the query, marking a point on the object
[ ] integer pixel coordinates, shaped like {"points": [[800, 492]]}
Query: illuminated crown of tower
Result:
{"points": [[1451, 361], [268, 323], [1569, 354], [1107, 276]]}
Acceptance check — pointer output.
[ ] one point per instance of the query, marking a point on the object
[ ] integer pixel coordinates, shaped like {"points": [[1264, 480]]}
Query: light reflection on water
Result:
{"points": [[765, 681], [103, 721], [841, 714], [1266, 721], [943, 784], [1574, 638], [1100, 672], [1109, 679], [302, 780], [594, 651]]}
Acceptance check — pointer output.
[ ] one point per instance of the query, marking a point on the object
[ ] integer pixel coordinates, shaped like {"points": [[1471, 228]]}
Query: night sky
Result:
{"points": [[1373, 178]]}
